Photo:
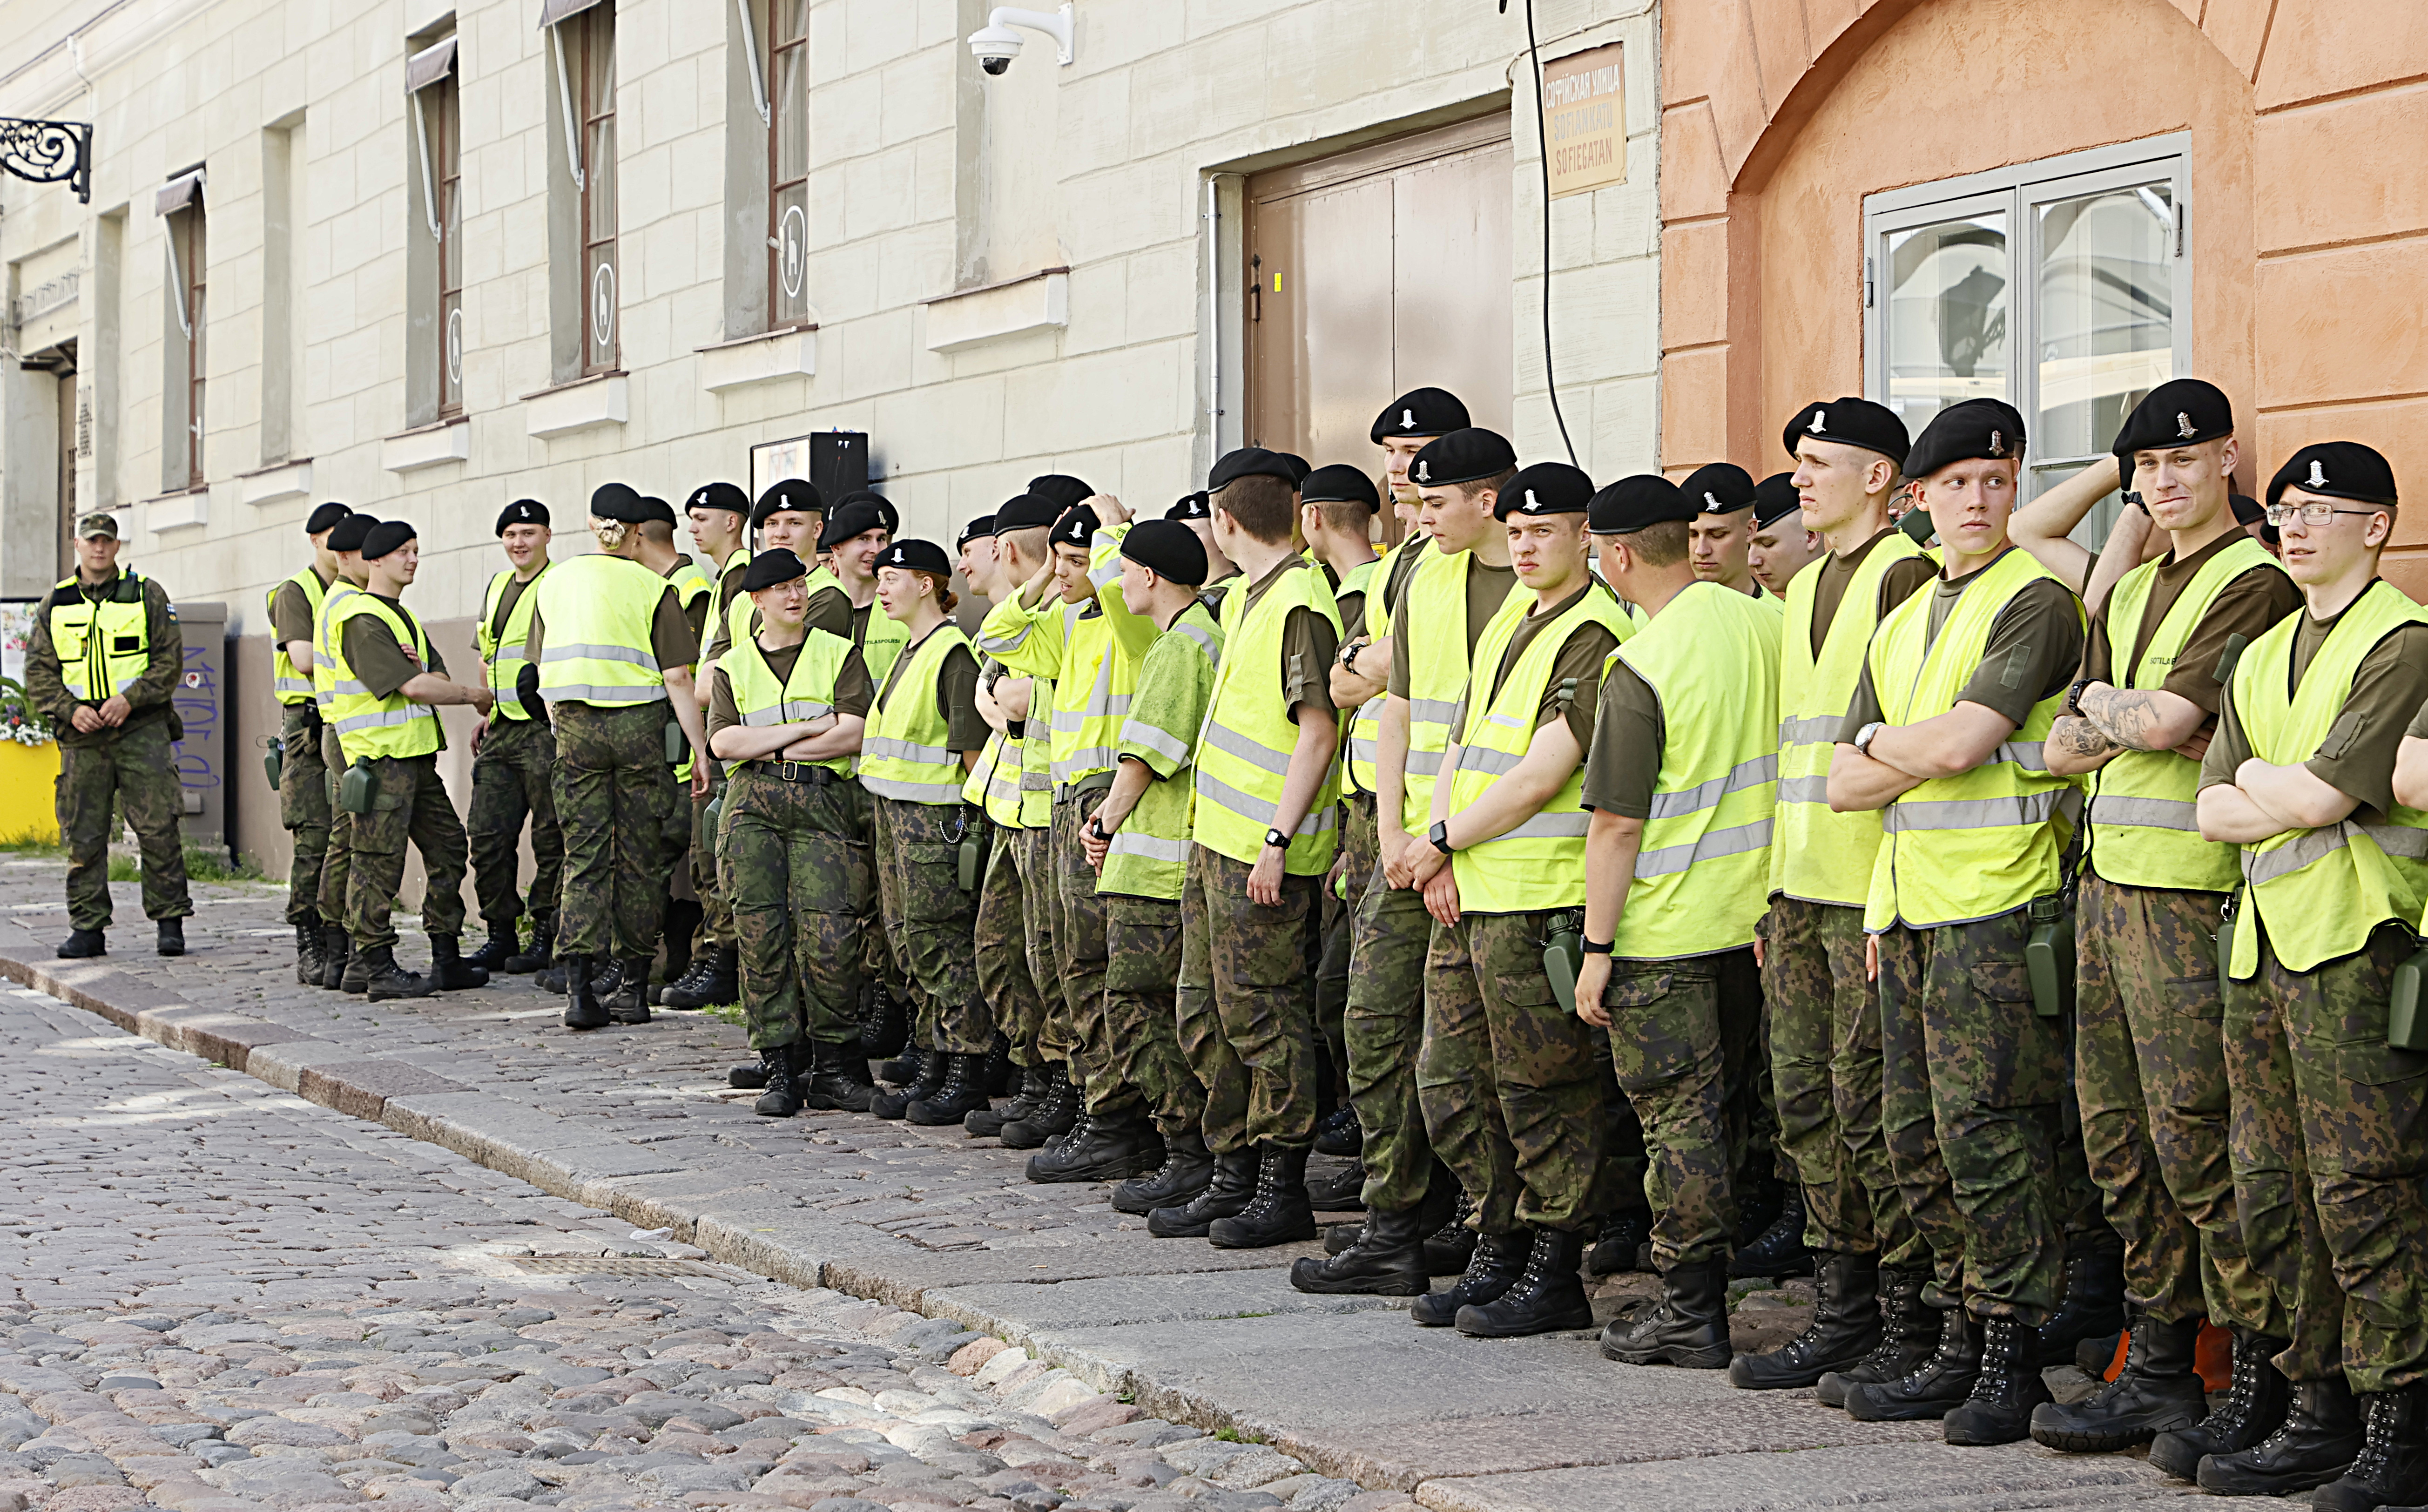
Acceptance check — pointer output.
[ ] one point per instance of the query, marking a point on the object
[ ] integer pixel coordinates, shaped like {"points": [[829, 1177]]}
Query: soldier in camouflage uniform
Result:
{"points": [[303, 778], [336, 864], [514, 767]]}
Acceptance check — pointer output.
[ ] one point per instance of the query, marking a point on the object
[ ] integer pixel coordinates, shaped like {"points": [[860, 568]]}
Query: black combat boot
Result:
{"points": [[2093, 1303], [986, 1123], [505, 938], [996, 1073], [582, 1009], [1188, 1166], [830, 1084], [747, 1076], [884, 1022], [782, 1097], [2157, 1392], [1623, 1233], [1943, 1384], [1845, 1327], [336, 949], [449, 969], [855, 1063], [1053, 1117], [962, 1093], [1778, 1250], [2319, 1438], [1451, 1246], [83, 945], [169, 937], [1759, 1200], [929, 1082], [383, 981], [1337, 1132], [1687, 1327], [2006, 1389], [1279, 1212], [541, 953], [1111, 1149], [356, 979], [2392, 1469], [1493, 1267], [309, 963], [1343, 1191], [1386, 1259], [630, 1002], [1908, 1337], [714, 976], [2255, 1406], [1547, 1298], [906, 1069], [1225, 1197]]}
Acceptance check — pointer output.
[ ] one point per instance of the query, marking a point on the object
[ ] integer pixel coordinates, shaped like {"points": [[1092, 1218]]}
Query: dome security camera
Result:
{"points": [[994, 47], [996, 43]]}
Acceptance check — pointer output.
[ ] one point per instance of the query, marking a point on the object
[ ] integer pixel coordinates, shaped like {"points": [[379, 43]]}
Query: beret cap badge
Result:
{"points": [[2184, 426], [2318, 473]]}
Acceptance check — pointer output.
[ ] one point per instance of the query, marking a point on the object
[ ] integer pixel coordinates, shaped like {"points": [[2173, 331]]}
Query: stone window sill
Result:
{"points": [[427, 446], [278, 482], [584, 405], [1035, 301], [774, 356], [183, 510]]}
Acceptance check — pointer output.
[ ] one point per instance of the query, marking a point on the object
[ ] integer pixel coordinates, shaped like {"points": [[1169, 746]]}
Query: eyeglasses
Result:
{"points": [[2310, 513]]}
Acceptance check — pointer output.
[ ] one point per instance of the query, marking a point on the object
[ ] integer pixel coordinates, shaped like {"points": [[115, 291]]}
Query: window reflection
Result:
{"points": [[2106, 321], [1946, 316]]}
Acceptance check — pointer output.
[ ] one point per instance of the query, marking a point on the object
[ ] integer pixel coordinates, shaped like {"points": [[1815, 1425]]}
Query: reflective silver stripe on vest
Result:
{"points": [[799, 711], [1547, 827], [1085, 760], [1250, 751], [1710, 845], [600, 654], [1762, 768], [1159, 742], [1423, 763], [1804, 790], [2028, 754], [2145, 813], [292, 684], [912, 792], [1259, 812], [1498, 762], [1807, 731], [1104, 706], [1971, 814], [585, 692], [1433, 710], [999, 644], [347, 684], [1126, 843], [378, 717], [886, 748], [1205, 638], [2318, 845], [1036, 781], [1361, 749]]}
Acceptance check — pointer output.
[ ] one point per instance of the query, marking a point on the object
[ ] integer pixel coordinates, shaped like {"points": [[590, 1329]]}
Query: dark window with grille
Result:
{"points": [[788, 163]]}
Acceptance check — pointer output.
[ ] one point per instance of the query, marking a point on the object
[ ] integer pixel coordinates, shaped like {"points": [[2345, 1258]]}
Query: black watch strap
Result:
{"points": [[1595, 948]]}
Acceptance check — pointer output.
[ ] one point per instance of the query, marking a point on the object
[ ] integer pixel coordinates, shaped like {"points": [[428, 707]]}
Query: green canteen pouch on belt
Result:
{"points": [[273, 762], [972, 858], [358, 790], [677, 746], [2406, 1026], [2048, 956], [1563, 956]]}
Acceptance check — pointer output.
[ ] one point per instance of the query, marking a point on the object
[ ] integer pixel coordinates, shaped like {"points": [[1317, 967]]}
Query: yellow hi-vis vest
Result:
{"points": [[2323, 892], [1818, 856], [1539, 863], [292, 687], [1982, 843], [2145, 804], [735, 612], [367, 726], [104, 647], [501, 649], [903, 755], [598, 611], [1091, 698], [1436, 599], [324, 656], [881, 637], [806, 694], [691, 586], [1243, 754], [1364, 726], [1703, 868], [993, 783], [1149, 854]]}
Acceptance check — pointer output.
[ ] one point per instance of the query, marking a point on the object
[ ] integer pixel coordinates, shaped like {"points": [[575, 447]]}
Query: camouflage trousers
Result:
{"points": [[1078, 922], [1000, 939], [614, 791], [790, 853], [133, 771], [2149, 1059], [337, 862], [715, 909], [1383, 1027], [413, 805], [1341, 895], [1671, 1043], [880, 957], [1141, 977], [302, 808], [919, 871], [2330, 1148], [1972, 1081], [514, 775], [1032, 850], [1246, 1007], [1509, 1081], [1824, 1068]]}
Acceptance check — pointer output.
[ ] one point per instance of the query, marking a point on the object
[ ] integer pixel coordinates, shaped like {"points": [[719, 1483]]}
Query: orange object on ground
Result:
{"points": [[2212, 1356]]}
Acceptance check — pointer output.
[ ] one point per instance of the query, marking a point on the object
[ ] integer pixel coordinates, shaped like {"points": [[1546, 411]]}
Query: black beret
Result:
{"points": [[658, 509], [788, 494], [1077, 527], [614, 501], [1025, 511], [347, 535], [1060, 490], [1462, 456], [1168, 548], [1299, 466], [1720, 488], [723, 496], [522, 512], [1191, 506], [1545, 488], [887, 514], [385, 538], [1976, 430], [2180, 412], [770, 568], [1774, 499], [2336, 469], [857, 518], [325, 518], [1421, 412], [1632, 503], [1338, 485], [917, 556], [1249, 462], [2249, 511], [1851, 420], [982, 527]]}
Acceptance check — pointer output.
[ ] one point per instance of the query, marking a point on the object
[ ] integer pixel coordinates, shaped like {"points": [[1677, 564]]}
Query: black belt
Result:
{"points": [[809, 772], [1093, 783]]}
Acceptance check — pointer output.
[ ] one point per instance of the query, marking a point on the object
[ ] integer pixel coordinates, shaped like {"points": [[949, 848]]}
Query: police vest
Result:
{"points": [[502, 648], [1435, 599], [1981, 843], [292, 687], [1365, 721], [324, 656], [903, 756], [394, 726], [1539, 863], [103, 648], [2145, 804], [806, 694], [1819, 856], [1149, 854], [600, 611], [2323, 892], [1702, 870], [1243, 754]]}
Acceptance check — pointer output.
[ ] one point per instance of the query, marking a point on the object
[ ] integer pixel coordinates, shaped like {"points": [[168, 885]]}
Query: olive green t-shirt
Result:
{"points": [[1309, 644], [1578, 665], [290, 610], [695, 613], [957, 694], [1487, 589], [379, 664], [2386, 702], [2246, 606], [2035, 643], [1900, 582], [851, 690]]}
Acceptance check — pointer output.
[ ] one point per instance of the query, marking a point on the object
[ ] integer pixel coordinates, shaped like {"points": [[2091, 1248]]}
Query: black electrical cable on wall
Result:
{"points": [[1543, 142]]}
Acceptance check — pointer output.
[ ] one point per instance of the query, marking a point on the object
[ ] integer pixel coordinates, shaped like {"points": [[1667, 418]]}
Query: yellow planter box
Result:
{"points": [[29, 779]]}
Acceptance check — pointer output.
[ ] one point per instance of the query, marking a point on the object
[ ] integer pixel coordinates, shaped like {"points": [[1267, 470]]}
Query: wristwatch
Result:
{"points": [[1439, 835], [2073, 696], [1096, 828], [1864, 736], [1350, 650], [1595, 948], [1274, 837]]}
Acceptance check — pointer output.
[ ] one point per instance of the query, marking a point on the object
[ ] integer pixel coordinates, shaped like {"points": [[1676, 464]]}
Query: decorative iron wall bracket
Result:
{"points": [[49, 152]]}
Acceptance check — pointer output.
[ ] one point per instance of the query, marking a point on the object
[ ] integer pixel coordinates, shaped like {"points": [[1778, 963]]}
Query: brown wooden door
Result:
{"points": [[1373, 272]]}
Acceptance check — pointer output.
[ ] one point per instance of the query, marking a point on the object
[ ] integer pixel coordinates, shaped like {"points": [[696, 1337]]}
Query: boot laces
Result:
{"points": [[2244, 1392], [1479, 1266], [1951, 1341], [1269, 1188], [2377, 1439], [1999, 1356]]}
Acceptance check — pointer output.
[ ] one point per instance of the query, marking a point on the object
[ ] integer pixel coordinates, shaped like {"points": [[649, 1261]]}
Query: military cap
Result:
{"points": [[325, 518], [1023, 512], [1462, 456], [1168, 548], [614, 501], [1421, 412], [793, 493], [887, 514], [522, 512], [916, 556], [1720, 488], [978, 529], [1632, 503], [1338, 485], [1299, 466], [385, 538], [652, 507], [1191, 506], [97, 526], [1061, 489], [2336, 469], [855, 519], [2249, 511], [1774, 499], [1249, 462], [2180, 412], [1545, 488], [723, 496], [770, 568], [347, 535], [1976, 429], [1077, 527], [1853, 422]]}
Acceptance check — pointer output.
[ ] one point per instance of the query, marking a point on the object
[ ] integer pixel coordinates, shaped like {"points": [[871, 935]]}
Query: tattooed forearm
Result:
{"points": [[2127, 716], [2080, 738]]}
